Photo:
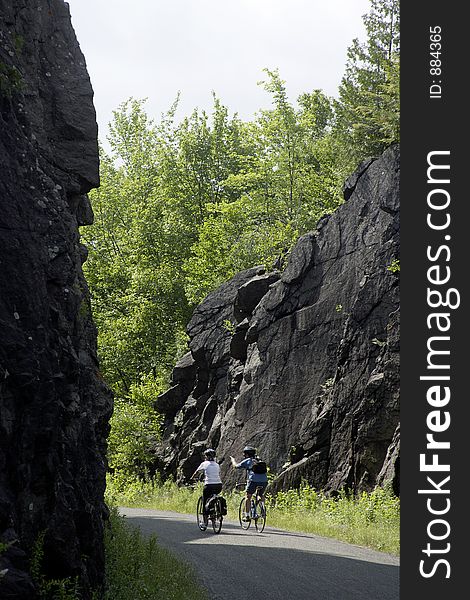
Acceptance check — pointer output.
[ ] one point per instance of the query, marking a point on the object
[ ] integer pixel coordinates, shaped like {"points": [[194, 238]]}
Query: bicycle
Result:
{"points": [[257, 511], [214, 515]]}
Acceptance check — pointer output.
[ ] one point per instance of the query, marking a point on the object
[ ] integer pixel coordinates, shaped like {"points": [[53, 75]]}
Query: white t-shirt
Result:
{"points": [[211, 471]]}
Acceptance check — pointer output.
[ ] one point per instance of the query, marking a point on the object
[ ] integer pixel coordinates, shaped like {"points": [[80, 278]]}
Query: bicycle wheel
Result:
{"points": [[199, 515], [260, 512], [241, 511], [216, 516]]}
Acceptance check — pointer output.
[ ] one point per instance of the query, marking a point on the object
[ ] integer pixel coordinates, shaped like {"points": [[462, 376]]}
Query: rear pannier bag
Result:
{"points": [[223, 505]]}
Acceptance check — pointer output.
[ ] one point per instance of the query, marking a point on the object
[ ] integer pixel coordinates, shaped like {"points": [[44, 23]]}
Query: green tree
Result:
{"points": [[135, 429], [283, 182], [235, 235], [137, 291], [294, 155], [201, 152], [368, 106]]}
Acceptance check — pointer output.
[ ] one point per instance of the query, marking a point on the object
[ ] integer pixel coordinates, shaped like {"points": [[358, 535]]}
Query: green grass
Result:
{"points": [[371, 520], [138, 569]]}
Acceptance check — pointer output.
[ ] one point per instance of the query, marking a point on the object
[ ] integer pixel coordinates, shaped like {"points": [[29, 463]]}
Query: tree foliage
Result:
{"points": [[368, 109]]}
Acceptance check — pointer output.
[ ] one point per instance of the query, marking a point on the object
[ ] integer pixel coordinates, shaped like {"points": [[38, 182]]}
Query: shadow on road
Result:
{"points": [[276, 565]]}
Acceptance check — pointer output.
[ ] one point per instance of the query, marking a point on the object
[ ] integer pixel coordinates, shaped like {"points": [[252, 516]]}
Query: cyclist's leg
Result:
{"points": [[248, 503], [250, 490], [263, 487], [206, 494], [260, 492]]}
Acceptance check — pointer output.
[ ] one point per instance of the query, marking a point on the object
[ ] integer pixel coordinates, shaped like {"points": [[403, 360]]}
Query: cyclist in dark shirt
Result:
{"points": [[253, 480]]}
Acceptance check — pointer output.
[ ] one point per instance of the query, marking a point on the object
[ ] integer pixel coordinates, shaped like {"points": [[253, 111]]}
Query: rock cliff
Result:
{"points": [[54, 407], [304, 365]]}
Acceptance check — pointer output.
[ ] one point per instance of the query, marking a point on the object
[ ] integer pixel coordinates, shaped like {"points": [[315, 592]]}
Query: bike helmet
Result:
{"points": [[249, 451], [209, 454]]}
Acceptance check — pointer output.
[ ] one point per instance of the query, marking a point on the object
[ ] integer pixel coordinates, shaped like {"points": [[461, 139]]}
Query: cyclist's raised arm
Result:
{"points": [[240, 465], [245, 464]]}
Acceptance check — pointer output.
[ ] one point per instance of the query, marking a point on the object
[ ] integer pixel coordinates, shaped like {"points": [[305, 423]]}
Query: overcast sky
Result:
{"points": [[155, 48]]}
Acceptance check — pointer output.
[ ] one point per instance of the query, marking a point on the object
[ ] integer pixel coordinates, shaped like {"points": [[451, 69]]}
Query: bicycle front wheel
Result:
{"points": [[260, 520], [200, 515], [216, 516], [241, 511]]}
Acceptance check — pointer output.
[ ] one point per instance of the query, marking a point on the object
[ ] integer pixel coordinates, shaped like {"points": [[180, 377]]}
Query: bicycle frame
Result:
{"points": [[214, 514], [257, 517]]}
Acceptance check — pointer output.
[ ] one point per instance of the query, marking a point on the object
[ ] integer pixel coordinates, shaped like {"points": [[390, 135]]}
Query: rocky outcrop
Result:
{"points": [[303, 365], [54, 406], [206, 380]]}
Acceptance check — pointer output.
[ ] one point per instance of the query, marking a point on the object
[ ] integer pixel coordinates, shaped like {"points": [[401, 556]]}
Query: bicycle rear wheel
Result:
{"points": [[216, 516], [241, 511], [260, 520], [200, 515]]}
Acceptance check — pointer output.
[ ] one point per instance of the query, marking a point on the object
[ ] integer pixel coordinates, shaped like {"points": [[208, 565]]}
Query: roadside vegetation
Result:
{"points": [[370, 519], [138, 569]]}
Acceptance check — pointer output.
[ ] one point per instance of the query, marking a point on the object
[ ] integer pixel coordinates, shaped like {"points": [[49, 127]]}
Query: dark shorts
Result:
{"points": [[252, 485], [208, 490]]}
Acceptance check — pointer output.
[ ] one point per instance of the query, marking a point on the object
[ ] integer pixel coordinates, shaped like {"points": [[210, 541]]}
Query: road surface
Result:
{"points": [[274, 565]]}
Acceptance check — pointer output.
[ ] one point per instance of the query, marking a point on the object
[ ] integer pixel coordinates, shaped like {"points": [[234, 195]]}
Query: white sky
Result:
{"points": [[155, 48]]}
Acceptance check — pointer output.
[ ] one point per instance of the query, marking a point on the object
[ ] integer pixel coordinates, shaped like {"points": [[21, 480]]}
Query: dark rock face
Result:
{"points": [[310, 375], [203, 379], [54, 406]]}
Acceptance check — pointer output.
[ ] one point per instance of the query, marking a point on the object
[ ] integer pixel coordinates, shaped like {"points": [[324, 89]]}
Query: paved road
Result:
{"points": [[274, 565]]}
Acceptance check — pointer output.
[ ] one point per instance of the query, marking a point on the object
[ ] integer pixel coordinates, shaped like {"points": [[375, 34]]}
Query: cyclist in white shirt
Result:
{"points": [[212, 481]]}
